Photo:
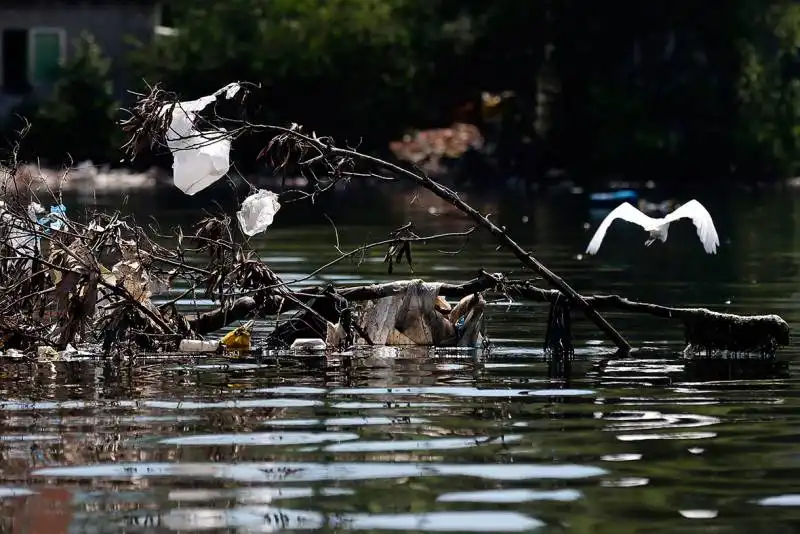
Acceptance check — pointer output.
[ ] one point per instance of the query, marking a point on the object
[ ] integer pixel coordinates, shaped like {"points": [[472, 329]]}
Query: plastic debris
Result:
{"points": [[258, 211], [20, 237], [335, 334], [199, 158], [54, 219], [308, 344], [198, 345], [441, 305], [622, 194], [467, 318], [239, 338], [46, 352], [414, 314]]}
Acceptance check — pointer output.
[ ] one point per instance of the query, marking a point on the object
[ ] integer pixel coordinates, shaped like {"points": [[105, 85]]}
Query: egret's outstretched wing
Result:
{"points": [[702, 220], [624, 211]]}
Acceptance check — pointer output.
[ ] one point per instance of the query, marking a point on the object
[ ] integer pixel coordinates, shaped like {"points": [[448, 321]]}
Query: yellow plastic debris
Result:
{"points": [[238, 338]]}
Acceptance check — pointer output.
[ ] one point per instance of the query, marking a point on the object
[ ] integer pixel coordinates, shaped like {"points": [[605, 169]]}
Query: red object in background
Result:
{"points": [[48, 511]]}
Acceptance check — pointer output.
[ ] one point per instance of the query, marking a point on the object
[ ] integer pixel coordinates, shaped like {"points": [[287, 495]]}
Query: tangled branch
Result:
{"points": [[65, 281]]}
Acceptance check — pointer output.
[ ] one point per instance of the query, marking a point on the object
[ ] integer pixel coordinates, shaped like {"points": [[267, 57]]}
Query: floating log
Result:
{"points": [[703, 328]]}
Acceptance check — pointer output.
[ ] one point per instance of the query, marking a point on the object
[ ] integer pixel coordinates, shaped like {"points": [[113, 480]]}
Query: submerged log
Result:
{"points": [[238, 310]]}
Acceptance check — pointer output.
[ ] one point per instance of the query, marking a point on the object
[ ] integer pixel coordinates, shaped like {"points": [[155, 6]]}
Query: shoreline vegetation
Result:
{"points": [[670, 92]]}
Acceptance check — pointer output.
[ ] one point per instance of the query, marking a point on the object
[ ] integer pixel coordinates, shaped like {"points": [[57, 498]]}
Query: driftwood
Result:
{"points": [[326, 164], [703, 328], [335, 157], [244, 307]]}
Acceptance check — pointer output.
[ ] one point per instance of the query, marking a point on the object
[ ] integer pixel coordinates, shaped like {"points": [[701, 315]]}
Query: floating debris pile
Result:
{"points": [[69, 281]]}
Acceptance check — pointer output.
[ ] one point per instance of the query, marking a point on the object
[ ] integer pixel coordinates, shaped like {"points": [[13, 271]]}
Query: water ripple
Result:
{"points": [[461, 392], [511, 496], [348, 421], [304, 472], [418, 444], [269, 519], [263, 438]]}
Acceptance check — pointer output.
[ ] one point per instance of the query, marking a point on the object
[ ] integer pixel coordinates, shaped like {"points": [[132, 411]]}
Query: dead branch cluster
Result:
{"points": [[67, 282], [92, 278]]}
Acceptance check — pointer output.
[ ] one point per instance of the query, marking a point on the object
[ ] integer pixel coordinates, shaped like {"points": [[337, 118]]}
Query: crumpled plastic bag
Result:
{"points": [[412, 313], [408, 316], [334, 334], [199, 158], [258, 211]]}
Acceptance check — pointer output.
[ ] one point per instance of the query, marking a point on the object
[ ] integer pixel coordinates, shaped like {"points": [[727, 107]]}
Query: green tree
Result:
{"points": [[666, 89], [83, 95], [768, 133], [344, 66], [77, 120]]}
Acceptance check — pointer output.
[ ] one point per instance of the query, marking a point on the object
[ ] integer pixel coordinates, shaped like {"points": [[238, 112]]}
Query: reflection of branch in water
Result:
{"points": [[710, 369], [665, 371], [559, 365]]}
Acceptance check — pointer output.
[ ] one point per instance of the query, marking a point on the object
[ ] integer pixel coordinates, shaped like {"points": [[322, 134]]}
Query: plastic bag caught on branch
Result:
{"points": [[258, 211], [199, 158]]}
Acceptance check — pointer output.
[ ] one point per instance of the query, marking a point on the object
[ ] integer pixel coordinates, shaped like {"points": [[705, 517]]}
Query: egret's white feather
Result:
{"points": [[624, 211], [658, 228], [702, 221]]}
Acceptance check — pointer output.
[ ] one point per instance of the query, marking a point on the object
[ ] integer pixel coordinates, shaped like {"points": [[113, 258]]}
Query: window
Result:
{"points": [[46, 51], [30, 58]]}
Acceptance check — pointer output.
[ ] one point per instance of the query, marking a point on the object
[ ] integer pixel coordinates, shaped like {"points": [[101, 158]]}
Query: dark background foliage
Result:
{"points": [[666, 90]]}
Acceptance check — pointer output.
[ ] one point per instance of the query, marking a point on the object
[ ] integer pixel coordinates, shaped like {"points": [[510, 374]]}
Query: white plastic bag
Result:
{"points": [[258, 211], [199, 158], [197, 345]]}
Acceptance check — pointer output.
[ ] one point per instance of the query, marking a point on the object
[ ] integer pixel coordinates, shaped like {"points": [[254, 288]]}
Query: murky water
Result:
{"points": [[414, 442]]}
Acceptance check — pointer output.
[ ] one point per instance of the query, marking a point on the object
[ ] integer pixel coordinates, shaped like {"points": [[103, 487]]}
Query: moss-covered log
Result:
{"points": [[703, 328]]}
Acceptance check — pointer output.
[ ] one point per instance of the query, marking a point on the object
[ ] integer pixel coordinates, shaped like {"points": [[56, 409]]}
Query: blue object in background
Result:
{"points": [[622, 194]]}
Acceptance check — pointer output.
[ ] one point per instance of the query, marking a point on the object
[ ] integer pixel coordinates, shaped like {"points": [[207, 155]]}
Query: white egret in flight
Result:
{"points": [[658, 228]]}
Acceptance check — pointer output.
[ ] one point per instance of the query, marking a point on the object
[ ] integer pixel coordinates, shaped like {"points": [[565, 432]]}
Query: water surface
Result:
{"points": [[445, 442]]}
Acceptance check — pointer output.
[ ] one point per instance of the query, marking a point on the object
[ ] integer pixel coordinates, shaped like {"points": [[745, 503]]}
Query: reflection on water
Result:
{"points": [[420, 441]]}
